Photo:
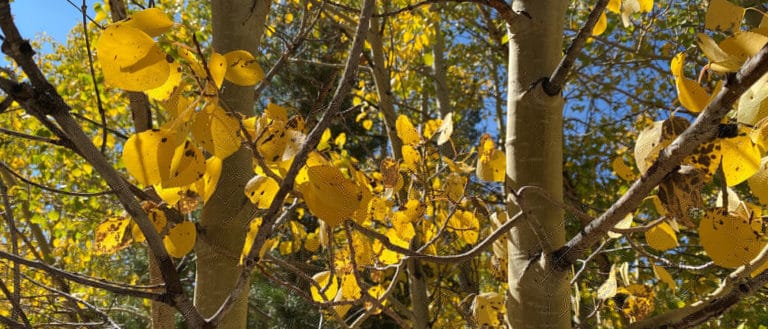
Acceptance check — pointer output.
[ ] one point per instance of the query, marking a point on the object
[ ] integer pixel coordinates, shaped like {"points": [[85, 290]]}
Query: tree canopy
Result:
{"points": [[404, 164]]}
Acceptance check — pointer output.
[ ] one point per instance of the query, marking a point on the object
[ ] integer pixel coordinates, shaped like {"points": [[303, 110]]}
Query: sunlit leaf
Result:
{"points": [[653, 139], [403, 225], [329, 195], [130, 59], [216, 131], [243, 70], [491, 162], [180, 239], [729, 240], [152, 21], [406, 131], [166, 89], [622, 170], [622, 224], [601, 25], [723, 15], [261, 190], [446, 129], [741, 158], [488, 310], [664, 276], [147, 155], [187, 166], [692, 95], [110, 236], [217, 65], [753, 103], [758, 183], [661, 237], [608, 288], [329, 287]]}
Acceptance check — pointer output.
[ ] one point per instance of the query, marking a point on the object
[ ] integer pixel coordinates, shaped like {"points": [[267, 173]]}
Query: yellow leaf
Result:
{"points": [[723, 15], [367, 124], [465, 225], [664, 276], [445, 130], [329, 195], [411, 158], [646, 6], [216, 131], [180, 239], [147, 155], [622, 224], [753, 104], [454, 187], [166, 89], [329, 287], [152, 21], [729, 240], [243, 70], [312, 242], [403, 226], [692, 95], [217, 65], [622, 170], [609, 287], [276, 112], [110, 236], [386, 256], [130, 59], [211, 177], [157, 217], [406, 131], [491, 163], [376, 292], [187, 166], [741, 158], [743, 45], [488, 310], [614, 6], [661, 237], [253, 230], [191, 59], [758, 183], [719, 60], [601, 25], [340, 140], [653, 139], [324, 140], [261, 190]]}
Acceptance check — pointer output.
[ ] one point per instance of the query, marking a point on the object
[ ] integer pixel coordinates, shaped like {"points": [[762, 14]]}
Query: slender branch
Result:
{"points": [[51, 189], [76, 300], [99, 104], [703, 130], [555, 84]]}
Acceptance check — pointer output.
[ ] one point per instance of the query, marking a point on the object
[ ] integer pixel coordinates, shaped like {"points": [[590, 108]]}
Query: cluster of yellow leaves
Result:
{"points": [[623, 7]]}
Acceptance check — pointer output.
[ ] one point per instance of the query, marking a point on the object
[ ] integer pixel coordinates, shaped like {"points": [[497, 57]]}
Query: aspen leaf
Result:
{"points": [[180, 239], [216, 131], [679, 193], [661, 237], [465, 225], [406, 131], [753, 103], [743, 44], [691, 95], [170, 195], [147, 155], [276, 112], [719, 60], [261, 190], [279, 142], [758, 183], [253, 229], [491, 163], [217, 65], [411, 158], [614, 6], [622, 224], [130, 59], [723, 15], [601, 25], [110, 236], [403, 226], [166, 89], [608, 288], [488, 310], [329, 287], [454, 187], [340, 140], [243, 70], [152, 21], [211, 177], [363, 252], [664, 276], [159, 220], [622, 170], [187, 166], [324, 140], [741, 158], [367, 124], [386, 256], [376, 292], [646, 5], [654, 138], [191, 58], [729, 240], [329, 195], [312, 242], [446, 129]]}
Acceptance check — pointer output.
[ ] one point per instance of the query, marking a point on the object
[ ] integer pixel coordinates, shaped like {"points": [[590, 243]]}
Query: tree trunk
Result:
{"points": [[538, 295], [237, 24]]}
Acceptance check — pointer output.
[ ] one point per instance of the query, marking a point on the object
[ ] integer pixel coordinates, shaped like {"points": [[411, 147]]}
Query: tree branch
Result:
{"points": [[703, 130]]}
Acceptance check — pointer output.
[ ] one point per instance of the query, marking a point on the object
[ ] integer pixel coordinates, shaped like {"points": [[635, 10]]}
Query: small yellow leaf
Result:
{"points": [[411, 158], [723, 15], [217, 65], [253, 229], [187, 166], [403, 226], [261, 190], [211, 177], [614, 6], [147, 155], [329, 195], [243, 70], [488, 309], [340, 140], [406, 131], [622, 224], [367, 124], [166, 89], [454, 187], [646, 6], [329, 287], [276, 112], [758, 183], [465, 225], [130, 59], [664, 276], [729, 240], [180, 239], [622, 170], [491, 163], [153, 21], [692, 95], [446, 129], [753, 104], [110, 236], [741, 158], [601, 25], [661, 237], [609, 287], [216, 131]]}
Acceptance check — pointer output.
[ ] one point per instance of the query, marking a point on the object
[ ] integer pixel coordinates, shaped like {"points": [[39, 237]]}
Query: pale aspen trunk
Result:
{"points": [[538, 296], [237, 24]]}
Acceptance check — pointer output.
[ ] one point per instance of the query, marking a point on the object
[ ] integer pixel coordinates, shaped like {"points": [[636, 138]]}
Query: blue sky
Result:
{"points": [[54, 18]]}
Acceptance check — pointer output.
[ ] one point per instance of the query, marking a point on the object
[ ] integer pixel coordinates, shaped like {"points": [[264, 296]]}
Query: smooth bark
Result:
{"points": [[538, 296]]}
